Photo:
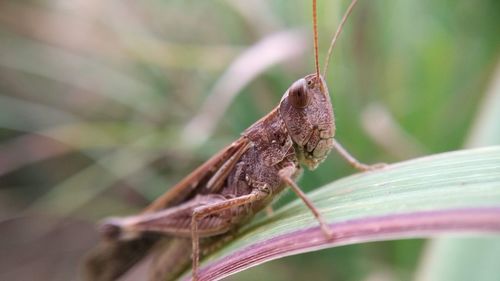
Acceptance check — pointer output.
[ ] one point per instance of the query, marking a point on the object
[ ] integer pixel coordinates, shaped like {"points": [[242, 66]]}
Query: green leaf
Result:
{"points": [[446, 193], [449, 258], [461, 259]]}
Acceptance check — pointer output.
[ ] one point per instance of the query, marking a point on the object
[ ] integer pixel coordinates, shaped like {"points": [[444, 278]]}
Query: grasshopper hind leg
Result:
{"points": [[204, 211], [203, 216]]}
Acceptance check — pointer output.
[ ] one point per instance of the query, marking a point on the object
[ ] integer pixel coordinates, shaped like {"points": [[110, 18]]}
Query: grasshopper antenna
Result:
{"points": [[337, 34], [315, 32]]}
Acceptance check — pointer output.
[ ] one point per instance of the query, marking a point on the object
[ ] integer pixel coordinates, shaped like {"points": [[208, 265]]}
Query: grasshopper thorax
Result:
{"points": [[308, 114]]}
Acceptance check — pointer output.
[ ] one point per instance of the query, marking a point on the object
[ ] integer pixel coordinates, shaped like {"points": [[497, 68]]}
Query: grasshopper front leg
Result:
{"points": [[286, 176]]}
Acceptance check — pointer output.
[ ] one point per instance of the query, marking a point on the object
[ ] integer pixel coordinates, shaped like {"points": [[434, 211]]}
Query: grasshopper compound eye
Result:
{"points": [[299, 95]]}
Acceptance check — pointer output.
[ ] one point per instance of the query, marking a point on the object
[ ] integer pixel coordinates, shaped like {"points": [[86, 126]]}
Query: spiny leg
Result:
{"points": [[353, 161], [200, 212], [286, 175]]}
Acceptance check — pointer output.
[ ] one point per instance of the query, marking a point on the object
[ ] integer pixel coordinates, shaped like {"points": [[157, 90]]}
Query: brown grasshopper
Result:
{"points": [[233, 185]]}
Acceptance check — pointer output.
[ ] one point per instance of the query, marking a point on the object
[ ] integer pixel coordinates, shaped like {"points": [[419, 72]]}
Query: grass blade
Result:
{"points": [[446, 193]]}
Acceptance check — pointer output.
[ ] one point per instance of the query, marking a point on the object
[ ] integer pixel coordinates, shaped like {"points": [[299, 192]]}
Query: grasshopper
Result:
{"points": [[232, 186]]}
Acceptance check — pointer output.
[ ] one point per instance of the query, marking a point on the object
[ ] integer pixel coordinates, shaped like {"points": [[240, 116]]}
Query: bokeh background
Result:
{"points": [[106, 104]]}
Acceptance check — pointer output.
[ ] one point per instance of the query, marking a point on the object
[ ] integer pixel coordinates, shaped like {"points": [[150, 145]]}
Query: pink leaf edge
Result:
{"points": [[407, 225]]}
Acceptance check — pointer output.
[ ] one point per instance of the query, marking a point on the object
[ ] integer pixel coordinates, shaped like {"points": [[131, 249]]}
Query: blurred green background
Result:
{"points": [[106, 104]]}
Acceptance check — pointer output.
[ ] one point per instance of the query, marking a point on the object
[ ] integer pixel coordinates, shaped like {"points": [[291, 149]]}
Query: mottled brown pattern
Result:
{"points": [[299, 131]]}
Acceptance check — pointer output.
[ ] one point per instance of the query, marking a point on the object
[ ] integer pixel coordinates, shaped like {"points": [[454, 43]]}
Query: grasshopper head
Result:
{"points": [[308, 114]]}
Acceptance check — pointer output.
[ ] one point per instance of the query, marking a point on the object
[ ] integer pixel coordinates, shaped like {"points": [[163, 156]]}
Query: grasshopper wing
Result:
{"points": [[109, 260]]}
